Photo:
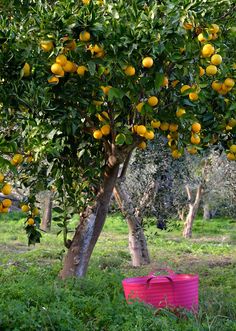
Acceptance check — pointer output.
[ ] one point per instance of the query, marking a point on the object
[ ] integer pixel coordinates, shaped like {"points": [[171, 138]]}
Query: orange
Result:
{"points": [[141, 130], [53, 80], [195, 139], [173, 127], [201, 71], [164, 126], [26, 70], [232, 148], [25, 208], [216, 59], [231, 156], [216, 85], [192, 150], [208, 50], [106, 89], [176, 154], [147, 62], [211, 70], [142, 145], [1, 178], [84, 36], [97, 134], [153, 101], [139, 106], [57, 69], [196, 127], [130, 71], [155, 124], [30, 221], [103, 117], [193, 96], [68, 67], [184, 88], [6, 203], [229, 82], [106, 129], [81, 70], [149, 135], [46, 45], [180, 112], [6, 190], [61, 59]]}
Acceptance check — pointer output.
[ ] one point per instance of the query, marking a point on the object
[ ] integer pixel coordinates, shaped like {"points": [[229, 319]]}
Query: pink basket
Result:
{"points": [[170, 291]]}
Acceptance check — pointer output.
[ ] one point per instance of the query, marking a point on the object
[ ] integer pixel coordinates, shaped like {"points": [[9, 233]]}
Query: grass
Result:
{"points": [[33, 298]]}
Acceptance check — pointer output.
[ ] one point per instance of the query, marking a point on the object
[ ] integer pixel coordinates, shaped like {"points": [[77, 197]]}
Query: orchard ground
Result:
{"points": [[33, 298]]}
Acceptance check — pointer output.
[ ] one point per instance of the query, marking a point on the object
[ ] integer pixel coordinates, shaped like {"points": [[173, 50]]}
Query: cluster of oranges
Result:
{"points": [[32, 212], [6, 189], [17, 159]]}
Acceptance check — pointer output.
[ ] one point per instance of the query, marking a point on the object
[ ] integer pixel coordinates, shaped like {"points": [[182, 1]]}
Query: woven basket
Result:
{"points": [[171, 290]]}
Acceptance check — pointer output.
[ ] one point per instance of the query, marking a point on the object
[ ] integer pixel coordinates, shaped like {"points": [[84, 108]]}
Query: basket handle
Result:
{"points": [[169, 271]]}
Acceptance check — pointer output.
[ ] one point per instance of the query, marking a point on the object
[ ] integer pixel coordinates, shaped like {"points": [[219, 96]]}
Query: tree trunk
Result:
{"points": [[206, 212], [47, 214], [137, 241], [89, 229], [193, 208]]}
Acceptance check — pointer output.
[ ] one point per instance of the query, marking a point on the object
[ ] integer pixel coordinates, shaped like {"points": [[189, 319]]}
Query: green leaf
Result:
{"points": [[120, 139], [115, 93], [92, 67], [159, 77]]}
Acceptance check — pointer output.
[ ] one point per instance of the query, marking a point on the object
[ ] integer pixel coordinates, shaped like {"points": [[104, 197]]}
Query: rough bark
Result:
{"points": [[137, 241], [193, 208], [207, 215], [47, 214], [89, 229]]}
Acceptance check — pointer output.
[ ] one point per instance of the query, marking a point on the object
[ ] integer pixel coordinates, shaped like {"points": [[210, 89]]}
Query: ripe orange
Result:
{"points": [[97, 134], [61, 59], [56, 69], [81, 70], [155, 124], [187, 26], [153, 101], [84, 36], [139, 106], [232, 123], [214, 28], [164, 126], [229, 82], [25, 208], [201, 71], [196, 127], [68, 67], [103, 117], [231, 156], [147, 62], [1, 178], [216, 85], [195, 139], [26, 70], [211, 70], [141, 130], [130, 71], [216, 59], [53, 80], [6, 190], [142, 145], [208, 50], [232, 148], [149, 135], [193, 96], [30, 221], [184, 88], [192, 150], [46, 45], [180, 112], [106, 89], [176, 154], [6, 203], [173, 127], [106, 129]]}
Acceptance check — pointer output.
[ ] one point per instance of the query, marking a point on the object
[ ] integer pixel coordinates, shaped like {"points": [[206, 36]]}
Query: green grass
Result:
{"points": [[33, 298]]}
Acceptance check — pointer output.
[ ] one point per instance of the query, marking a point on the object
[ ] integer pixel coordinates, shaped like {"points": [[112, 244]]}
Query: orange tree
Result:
{"points": [[83, 83]]}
